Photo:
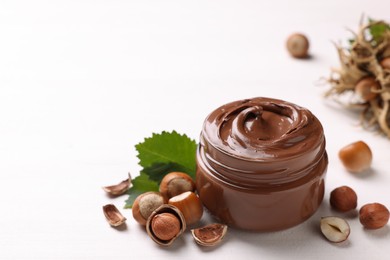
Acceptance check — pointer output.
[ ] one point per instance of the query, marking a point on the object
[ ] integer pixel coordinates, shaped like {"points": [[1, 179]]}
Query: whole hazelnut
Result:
{"points": [[145, 204], [356, 157], [373, 215], [175, 183], [298, 45], [165, 226], [385, 63], [189, 204], [343, 199], [366, 87]]}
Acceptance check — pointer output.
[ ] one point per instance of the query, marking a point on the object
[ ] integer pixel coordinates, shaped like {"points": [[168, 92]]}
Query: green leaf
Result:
{"points": [[158, 170], [377, 30], [159, 155], [168, 148], [140, 184]]}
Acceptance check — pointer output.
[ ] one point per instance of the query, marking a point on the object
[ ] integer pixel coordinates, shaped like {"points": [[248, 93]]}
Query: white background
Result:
{"points": [[82, 82]]}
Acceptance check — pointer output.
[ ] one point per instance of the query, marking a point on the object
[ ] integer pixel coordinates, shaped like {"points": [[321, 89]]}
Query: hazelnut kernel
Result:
{"points": [[335, 229], [374, 215], [165, 208], [165, 226], [356, 157], [343, 199], [298, 45]]}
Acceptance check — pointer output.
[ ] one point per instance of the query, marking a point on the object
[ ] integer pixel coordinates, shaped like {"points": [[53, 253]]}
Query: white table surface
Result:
{"points": [[82, 82]]}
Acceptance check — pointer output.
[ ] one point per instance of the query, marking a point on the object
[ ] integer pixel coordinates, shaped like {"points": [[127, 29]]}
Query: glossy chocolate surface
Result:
{"points": [[261, 164]]}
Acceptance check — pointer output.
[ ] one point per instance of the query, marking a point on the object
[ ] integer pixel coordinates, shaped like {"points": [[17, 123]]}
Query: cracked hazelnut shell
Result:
{"points": [[210, 235], [156, 232], [113, 216]]}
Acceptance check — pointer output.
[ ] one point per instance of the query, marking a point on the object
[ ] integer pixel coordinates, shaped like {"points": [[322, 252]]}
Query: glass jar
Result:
{"points": [[261, 164]]}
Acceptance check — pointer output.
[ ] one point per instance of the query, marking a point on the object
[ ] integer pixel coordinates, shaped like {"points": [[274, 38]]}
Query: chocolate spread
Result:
{"points": [[261, 164]]}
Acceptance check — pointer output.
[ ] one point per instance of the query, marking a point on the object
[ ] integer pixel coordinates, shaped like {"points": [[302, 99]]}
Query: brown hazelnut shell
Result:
{"points": [[175, 183], [190, 206], [385, 63], [137, 211], [374, 215], [298, 45], [209, 235], [118, 189], [367, 88], [113, 216], [343, 199], [356, 157]]}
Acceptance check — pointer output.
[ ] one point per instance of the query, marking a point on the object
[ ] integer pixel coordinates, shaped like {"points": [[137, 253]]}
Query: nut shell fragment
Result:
{"points": [[113, 216], [209, 235], [118, 189], [165, 208]]}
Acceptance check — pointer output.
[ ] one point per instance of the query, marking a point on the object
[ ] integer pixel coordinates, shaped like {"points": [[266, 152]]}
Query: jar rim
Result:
{"points": [[285, 159]]}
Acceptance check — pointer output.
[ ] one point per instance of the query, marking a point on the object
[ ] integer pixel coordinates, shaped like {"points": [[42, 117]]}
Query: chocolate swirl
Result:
{"points": [[262, 136]]}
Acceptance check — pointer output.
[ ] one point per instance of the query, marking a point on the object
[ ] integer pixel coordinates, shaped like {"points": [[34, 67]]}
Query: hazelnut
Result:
{"points": [[343, 199], [145, 204], [385, 63], [165, 224], [298, 45], [189, 204], [175, 183], [356, 157], [335, 229], [209, 235], [373, 215], [366, 88]]}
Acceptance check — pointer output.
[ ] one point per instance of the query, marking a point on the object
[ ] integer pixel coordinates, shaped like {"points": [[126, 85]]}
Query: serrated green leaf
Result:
{"points": [[159, 155], [168, 148], [140, 184], [158, 170]]}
